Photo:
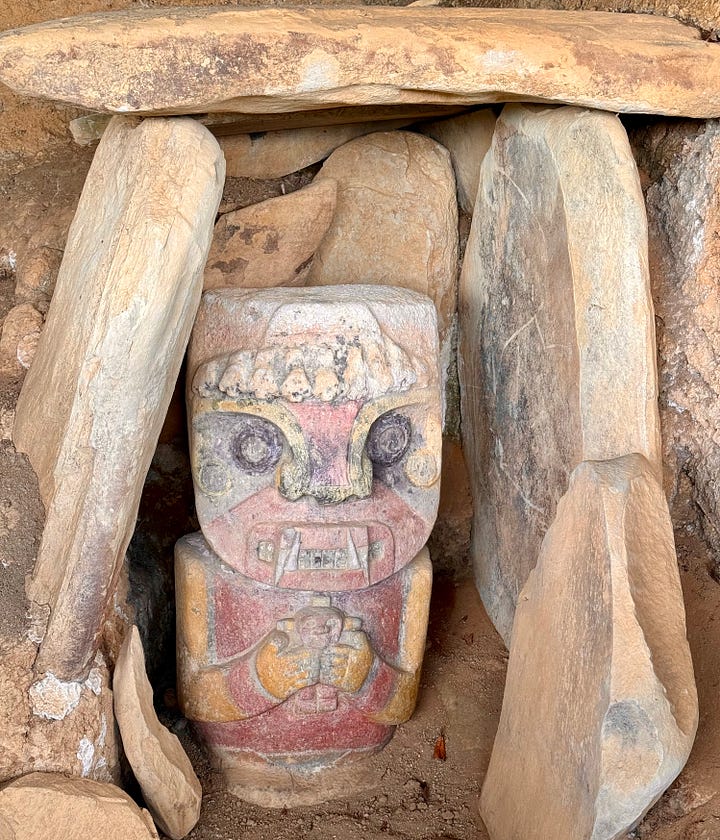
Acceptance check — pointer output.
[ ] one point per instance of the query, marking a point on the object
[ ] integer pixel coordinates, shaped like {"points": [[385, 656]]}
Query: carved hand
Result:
{"points": [[284, 671], [347, 664]]}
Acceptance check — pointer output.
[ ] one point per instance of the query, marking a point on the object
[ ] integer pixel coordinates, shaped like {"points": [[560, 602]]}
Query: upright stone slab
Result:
{"points": [[557, 346], [395, 221], [92, 406], [600, 708]]}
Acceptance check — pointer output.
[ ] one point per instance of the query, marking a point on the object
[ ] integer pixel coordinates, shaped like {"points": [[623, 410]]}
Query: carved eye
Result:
{"points": [[388, 439], [257, 445]]}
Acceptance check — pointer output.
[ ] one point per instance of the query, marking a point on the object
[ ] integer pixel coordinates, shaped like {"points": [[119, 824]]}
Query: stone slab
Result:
{"points": [[270, 60], [467, 138], [48, 805], [600, 707], [557, 340], [273, 242], [92, 407], [168, 782]]}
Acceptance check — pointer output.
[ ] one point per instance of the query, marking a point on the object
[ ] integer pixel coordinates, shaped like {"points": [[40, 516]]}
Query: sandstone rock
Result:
{"points": [[271, 243], [168, 782], [19, 339], [36, 277], [274, 154], [467, 138], [270, 60], [396, 219], [600, 707], [89, 416], [45, 805], [557, 349], [54, 726], [682, 161]]}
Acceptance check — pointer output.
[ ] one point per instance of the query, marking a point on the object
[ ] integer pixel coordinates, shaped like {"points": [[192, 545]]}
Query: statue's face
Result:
{"points": [[316, 452]]}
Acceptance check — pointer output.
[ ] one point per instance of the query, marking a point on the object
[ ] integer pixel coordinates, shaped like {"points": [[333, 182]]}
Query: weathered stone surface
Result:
{"points": [[600, 707], [270, 60], [54, 726], [682, 162], [45, 805], [271, 243], [396, 219], [19, 338], [168, 782], [467, 138], [302, 607], [557, 348], [36, 276], [89, 417], [273, 154]]}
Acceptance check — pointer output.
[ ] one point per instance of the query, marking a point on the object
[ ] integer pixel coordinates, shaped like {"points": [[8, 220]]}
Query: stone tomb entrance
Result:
{"points": [[547, 349]]}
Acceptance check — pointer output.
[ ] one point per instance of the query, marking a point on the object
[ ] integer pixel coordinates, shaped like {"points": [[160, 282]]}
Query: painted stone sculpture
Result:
{"points": [[315, 424]]}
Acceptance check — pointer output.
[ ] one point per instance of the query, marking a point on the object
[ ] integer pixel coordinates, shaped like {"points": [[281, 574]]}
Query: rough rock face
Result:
{"points": [[682, 162], [254, 61], [557, 351], [600, 707], [271, 243], [467, 138], [89, 416], [166, 777], [54, 726], [44, 805], [395, 221]]}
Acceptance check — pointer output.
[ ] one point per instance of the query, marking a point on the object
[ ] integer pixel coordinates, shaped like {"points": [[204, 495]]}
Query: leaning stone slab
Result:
{"points": [[273, 154], [395, 221], [600, 708], [273, 242], [467, 138], [557, 345], [92, 406], [160, 61], [168, 782], [48, 805]]}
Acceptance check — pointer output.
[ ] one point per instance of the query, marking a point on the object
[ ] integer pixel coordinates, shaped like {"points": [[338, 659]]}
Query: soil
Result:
{"points": [[416, 792]]}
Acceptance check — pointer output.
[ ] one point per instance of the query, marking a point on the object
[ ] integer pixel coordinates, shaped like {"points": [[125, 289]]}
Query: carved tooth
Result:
{"points": [[288, 557], [357, 559]]}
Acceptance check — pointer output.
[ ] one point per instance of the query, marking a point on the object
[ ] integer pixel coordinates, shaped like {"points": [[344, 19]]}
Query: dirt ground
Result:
{"points": [[415, 794]]}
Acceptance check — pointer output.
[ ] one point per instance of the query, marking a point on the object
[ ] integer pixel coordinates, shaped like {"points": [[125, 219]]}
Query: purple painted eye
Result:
{"points": [[388, 439], [256, 445]]}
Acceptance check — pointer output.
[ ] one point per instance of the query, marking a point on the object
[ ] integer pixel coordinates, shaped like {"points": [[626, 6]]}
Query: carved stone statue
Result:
{"points": [[315, 427]]}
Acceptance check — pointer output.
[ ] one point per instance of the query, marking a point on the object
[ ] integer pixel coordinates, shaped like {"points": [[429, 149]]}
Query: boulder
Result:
{"points": [[90, 411], [600, 708], [269, 60], [395, 222], [557, 340], [271, 243], [168, 782], [467, 138], [36, 277], [19, 338], [48, 805]]}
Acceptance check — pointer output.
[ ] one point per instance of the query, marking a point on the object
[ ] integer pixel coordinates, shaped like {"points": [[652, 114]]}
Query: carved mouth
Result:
{"points": [[326, 548]]}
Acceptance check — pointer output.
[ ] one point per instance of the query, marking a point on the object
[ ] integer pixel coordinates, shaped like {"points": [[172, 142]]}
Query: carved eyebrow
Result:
{"points": [[369, 413]]}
